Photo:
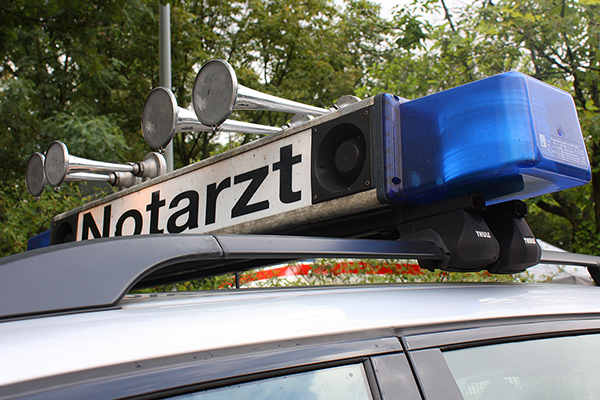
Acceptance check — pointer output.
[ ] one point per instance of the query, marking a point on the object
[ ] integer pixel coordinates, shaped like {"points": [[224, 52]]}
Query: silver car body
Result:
{"points": [[146, 327]]}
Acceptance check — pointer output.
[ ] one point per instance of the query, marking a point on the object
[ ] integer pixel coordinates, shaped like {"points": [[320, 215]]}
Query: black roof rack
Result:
{"points": [[97, 274]]}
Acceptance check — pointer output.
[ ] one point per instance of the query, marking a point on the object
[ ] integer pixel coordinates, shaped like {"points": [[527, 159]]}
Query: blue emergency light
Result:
{"points": [[506, 137], [39, 241]]}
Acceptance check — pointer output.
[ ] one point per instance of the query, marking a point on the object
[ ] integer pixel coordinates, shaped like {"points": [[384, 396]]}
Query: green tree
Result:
{"points": [[73, 71], [310, 52], [556, 41], [79, 71], [200, 31]]}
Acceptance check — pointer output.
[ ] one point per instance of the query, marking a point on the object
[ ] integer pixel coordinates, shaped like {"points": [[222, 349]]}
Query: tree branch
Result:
{"points": [[447, 16], [551, 208]]}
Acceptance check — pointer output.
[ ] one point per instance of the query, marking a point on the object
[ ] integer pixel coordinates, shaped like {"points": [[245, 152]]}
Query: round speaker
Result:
{"points": [[64, 233], [340, 157]]}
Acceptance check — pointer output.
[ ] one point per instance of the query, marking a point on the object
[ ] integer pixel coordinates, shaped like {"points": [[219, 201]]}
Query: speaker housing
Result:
{"points": [[341, 160], [63, 230]]}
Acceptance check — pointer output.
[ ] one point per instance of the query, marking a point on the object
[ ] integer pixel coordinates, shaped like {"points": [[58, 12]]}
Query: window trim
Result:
{"points": [[514, 331], [394, 377], [433, 375], [205, 373]]}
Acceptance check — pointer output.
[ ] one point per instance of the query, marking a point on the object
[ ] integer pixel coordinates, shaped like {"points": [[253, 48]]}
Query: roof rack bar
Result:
{"points": [[97, 274], [581, 260], [245, 252], [567, 258], [273, 246]]}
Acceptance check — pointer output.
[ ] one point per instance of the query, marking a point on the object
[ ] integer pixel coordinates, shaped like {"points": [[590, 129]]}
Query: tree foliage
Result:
{"points": [[23, 217], [74, 71], [79, 71], [556, 41]]}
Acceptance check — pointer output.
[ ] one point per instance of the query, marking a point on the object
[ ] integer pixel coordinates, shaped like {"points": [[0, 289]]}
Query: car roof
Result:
{"points": [[151, 326]]}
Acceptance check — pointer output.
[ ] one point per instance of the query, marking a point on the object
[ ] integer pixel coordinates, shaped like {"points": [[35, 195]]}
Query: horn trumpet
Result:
{"points": [[35, 177], [162, 118], [216, 94], [60, 166]]}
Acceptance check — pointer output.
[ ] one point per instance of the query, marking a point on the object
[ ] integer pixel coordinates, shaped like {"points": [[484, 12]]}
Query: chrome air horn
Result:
{"points": [[35, 176], [162, 118], [60, 166], [216, 94]]}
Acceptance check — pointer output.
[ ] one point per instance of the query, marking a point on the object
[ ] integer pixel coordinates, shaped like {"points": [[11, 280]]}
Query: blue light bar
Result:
{"points": [[506, 137], [39, 241]]}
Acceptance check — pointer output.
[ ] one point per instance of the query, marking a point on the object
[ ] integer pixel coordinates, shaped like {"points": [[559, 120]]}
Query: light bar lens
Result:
{"points": [[507, 137], [39, 241]]}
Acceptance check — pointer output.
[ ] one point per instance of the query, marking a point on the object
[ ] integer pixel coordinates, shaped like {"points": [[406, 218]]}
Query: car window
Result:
{"points": [[553, 368], [344, 383]]}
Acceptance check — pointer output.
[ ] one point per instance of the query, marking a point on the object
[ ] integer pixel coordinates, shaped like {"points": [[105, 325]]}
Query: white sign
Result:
{"points": [[262, 182]]}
